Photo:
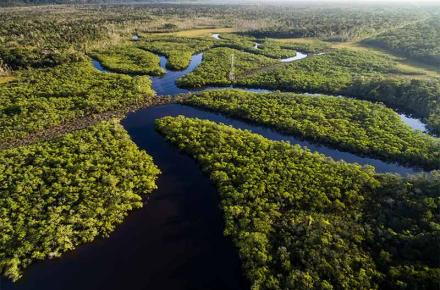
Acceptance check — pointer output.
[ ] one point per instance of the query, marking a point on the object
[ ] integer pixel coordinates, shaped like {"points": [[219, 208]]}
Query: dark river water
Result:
{"points": [[176, 240]]}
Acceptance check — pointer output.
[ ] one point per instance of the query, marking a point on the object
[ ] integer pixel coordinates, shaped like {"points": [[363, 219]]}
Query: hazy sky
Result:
{"points": [[344, 2], [347, 1]]}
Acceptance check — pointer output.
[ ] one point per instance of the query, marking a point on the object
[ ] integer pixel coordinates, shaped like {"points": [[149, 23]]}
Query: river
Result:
{"points": [[175, 242]]}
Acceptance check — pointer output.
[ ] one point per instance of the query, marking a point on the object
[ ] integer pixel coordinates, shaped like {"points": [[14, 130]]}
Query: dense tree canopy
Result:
{"points": [[42, 98], [337, 23], [129, 60], [299, 219], [305, 45], [366, 75], [420, 41], [404, 219], [267, 47], [351, 124], [303, 221], [331, 72], [47, 36], [217, 66], [58, 194], [419, 97], [177, 50]]}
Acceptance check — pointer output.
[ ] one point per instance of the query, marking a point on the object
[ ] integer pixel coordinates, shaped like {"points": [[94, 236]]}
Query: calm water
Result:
{"points": [[414, 123], [166, 85], [298, 56], [98, 65], [175, 110], [175, 241]]}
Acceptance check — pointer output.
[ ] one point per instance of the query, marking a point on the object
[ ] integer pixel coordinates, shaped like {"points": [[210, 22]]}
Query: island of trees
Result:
{"points": [[350, 124]]}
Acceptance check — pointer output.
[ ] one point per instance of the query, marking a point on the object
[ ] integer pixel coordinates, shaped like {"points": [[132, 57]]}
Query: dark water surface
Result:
{"points": [[141, 116], [166, 85], [175, 241]]}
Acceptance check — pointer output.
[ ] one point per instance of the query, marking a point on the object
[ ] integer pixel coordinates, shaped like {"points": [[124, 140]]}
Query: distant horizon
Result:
{"points": [[238, 2]]}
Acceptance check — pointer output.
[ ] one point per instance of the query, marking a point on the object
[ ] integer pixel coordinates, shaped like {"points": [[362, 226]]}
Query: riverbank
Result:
{"points": [[86, 121]]}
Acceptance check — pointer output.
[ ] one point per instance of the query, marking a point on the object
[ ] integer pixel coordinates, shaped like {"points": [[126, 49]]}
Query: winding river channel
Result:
{"points": [[175, 241]]}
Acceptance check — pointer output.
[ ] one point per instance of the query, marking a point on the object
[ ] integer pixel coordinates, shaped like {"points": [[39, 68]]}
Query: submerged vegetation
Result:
{"points": [[58, 194], [350, 124], [303, 221]]}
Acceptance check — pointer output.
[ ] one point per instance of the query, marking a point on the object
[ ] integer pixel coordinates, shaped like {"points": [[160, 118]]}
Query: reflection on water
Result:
{"points": [[175, 242], [96, 64], [298, 56], [414, 123], [167, 85]]}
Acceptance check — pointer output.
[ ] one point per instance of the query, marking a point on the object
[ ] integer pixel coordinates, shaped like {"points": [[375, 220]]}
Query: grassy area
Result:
{"points": [[6, 79], [412, 68], [199, 32]]}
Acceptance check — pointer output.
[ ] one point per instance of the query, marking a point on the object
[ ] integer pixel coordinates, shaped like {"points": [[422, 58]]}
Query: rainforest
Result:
{"points": [[219, 145]]}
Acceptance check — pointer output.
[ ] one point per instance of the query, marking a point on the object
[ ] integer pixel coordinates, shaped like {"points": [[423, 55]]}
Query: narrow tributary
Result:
{"points": [[175, 241]]}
